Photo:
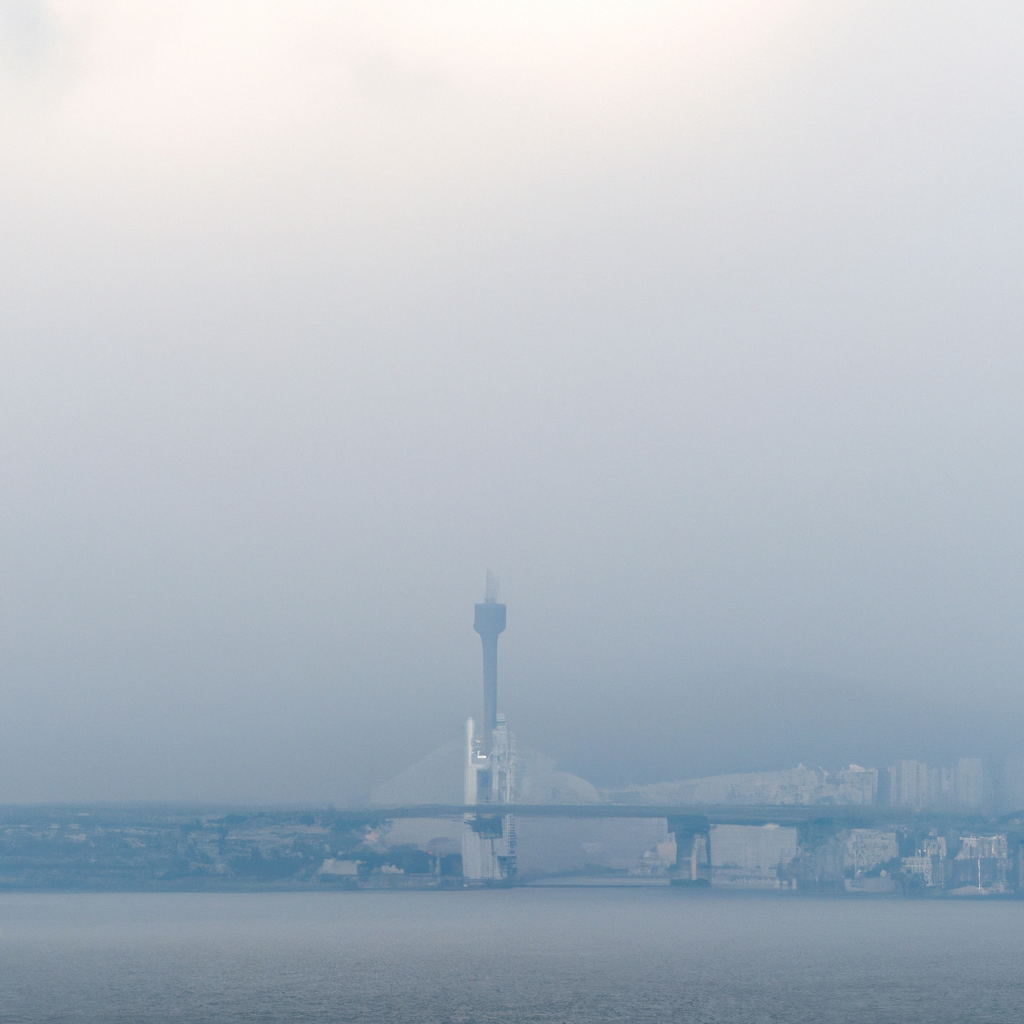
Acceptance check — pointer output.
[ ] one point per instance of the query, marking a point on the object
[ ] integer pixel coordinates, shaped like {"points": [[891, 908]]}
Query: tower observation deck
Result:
{"points": [[489, 622]]}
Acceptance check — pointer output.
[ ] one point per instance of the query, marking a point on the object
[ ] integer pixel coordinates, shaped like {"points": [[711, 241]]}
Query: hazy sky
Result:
{"points": [[700, 322]]}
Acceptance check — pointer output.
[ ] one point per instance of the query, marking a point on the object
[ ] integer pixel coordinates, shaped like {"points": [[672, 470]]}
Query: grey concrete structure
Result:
{"points": [[489, 622]]}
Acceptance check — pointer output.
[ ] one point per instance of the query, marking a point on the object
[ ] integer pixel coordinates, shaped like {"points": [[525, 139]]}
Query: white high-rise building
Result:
{"points": [[970, 781], [913, 784], [910, 784]]}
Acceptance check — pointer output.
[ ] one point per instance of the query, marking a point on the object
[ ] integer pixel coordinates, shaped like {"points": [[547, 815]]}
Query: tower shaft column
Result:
{"points": [[489, 641], [489, 623]]}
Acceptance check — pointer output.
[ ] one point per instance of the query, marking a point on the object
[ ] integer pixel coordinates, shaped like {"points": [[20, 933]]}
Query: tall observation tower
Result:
{"points": [[489, 838], [489, 622]]}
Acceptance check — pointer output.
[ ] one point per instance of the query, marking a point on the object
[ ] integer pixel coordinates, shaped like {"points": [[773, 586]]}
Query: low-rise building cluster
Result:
{"points": [[823, 857]]}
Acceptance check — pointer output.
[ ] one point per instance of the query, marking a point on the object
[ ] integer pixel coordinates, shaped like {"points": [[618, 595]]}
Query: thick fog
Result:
{"points": [[699, 322]]}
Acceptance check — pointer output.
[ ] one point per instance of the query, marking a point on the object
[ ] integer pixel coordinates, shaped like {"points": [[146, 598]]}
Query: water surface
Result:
{"points": [[554, 955]]}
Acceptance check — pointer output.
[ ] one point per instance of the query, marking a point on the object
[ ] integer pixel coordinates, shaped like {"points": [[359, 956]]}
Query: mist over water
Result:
{"points": [[700, 322], [556, 955]]}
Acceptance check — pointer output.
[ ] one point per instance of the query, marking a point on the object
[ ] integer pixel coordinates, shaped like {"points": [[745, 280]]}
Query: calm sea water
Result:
{"points": [[518, 955]]}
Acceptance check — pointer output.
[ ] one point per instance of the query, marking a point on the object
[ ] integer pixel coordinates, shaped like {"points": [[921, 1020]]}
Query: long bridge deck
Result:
{"points": [[720, 814]]}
